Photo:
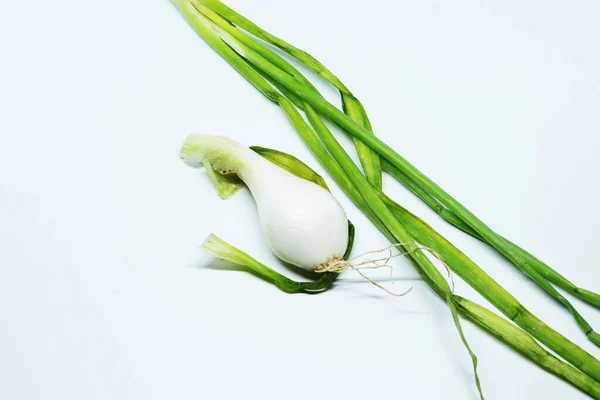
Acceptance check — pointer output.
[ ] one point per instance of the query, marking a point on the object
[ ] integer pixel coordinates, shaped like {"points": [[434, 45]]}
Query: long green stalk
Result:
{"points": [[247, 71]]}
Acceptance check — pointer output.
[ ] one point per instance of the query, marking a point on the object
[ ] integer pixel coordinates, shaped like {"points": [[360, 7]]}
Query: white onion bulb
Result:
{"points": [[303, 223]]}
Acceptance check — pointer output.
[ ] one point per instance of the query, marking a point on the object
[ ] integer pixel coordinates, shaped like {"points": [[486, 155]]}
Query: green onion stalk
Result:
{"points": [[248, 59], [354, 120]]}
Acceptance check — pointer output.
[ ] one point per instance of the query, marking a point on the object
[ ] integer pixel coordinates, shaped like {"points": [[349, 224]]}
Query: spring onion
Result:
{"points": [[263, 69], [359, 128]]}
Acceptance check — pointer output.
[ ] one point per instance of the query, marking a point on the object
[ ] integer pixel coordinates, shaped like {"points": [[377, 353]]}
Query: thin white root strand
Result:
{"points": [[342, 265]]}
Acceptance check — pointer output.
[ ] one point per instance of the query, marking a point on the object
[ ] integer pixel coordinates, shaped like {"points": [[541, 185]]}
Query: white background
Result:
{"points": [[104, 293]]}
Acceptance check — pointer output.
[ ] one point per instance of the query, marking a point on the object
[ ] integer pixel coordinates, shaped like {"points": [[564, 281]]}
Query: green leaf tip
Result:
{"points": [[290, 164]]}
